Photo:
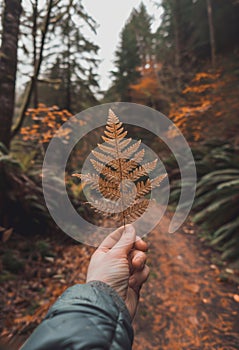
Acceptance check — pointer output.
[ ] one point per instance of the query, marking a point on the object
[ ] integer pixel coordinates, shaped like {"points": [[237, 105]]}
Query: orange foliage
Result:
{"points": [[147, 88], [201, 88], [205, 75], [45, 121], [202, 106]]}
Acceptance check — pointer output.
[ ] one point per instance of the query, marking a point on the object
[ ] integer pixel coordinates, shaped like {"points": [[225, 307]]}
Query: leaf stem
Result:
{"points": [[121, 174]]}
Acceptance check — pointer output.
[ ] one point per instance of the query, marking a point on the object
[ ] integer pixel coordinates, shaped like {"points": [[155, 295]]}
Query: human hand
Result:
{"points": [[120, 262]]}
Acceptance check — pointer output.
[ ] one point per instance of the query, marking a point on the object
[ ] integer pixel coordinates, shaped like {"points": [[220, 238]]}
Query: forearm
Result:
{"points": [[90, 316]]}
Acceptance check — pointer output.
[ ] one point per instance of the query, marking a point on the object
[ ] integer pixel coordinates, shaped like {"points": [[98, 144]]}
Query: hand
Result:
{"points": [[120, 262]]}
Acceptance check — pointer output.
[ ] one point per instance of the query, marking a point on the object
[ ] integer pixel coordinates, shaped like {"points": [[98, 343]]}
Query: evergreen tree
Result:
{"points": [[75, 94], [173, 37], [135, 50], [185, 34], [60, 43], [74, 60]]}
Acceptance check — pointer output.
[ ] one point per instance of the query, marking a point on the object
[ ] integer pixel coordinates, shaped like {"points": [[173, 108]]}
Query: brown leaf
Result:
{"points": [[194, 288], [236, 297], [7, 234], [117, 161]]}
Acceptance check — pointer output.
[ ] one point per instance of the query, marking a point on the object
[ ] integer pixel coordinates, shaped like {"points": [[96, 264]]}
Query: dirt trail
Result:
{"points": [[184, 305]]}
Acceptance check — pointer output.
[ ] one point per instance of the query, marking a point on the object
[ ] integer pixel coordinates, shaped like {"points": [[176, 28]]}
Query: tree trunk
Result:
{"points": [[177, 41], [211, 33], [30, 86], [68, 87], [8, 67], [68, 68], [34, 40]]}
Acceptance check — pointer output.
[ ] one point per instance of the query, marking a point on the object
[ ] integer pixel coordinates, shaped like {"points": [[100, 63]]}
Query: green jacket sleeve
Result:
{"points": [[88, 316]]}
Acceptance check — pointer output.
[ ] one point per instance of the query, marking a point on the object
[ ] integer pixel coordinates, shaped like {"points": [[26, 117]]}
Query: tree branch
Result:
{"points": [[32, 82]]}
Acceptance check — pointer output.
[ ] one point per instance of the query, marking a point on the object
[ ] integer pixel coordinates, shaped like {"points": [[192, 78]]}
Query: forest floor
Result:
{"points": [[188, 302]]}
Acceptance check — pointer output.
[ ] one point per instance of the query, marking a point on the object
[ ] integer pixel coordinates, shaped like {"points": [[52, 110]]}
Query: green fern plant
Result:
{"points": [[216, 206], [217, 210]]}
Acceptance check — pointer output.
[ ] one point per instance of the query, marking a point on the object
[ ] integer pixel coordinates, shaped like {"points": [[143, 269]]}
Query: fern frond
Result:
{"points": [[97, 165], [157, 181], [101, 156], [89, 179], [138, 157], [112, 118], [124, 143], [106, 149], [143, 188], [142, 170], [109, 190], [130, 150], [104, 208], [120, 177], [137, 209]]}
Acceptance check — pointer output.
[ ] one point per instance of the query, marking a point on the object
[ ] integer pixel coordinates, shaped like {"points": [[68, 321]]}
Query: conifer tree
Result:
{"points": [[77, 56], [134, 51], [61, 42]]}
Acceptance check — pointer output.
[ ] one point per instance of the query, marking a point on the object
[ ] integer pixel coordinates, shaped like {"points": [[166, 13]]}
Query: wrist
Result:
{"points": [[111, 292]]}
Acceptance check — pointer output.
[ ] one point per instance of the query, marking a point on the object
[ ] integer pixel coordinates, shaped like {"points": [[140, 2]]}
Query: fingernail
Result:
{"points": [[138, 259], [141, 262]]}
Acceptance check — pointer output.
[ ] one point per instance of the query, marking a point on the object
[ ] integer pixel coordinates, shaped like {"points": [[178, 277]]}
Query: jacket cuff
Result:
{"points": [[105, 288]]}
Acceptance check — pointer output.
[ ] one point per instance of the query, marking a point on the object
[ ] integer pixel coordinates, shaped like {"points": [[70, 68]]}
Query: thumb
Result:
{"points": [[127, 239]]}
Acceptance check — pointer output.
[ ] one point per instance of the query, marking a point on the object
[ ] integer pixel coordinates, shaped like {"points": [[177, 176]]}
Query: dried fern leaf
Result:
{"points": [[120, 178], [157, 181], [145, 169], [138, 157], [89, 179], [110, 150], [97, 165], [102, 157], [143, 188], [124, 143], [137, 209], [130, 150]]}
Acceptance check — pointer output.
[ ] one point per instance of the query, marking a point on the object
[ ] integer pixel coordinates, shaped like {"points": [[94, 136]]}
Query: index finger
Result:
{"points": [[111, 239]]}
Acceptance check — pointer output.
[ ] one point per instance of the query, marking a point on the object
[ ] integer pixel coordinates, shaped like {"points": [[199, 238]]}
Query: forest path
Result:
{"points": [[184, 305]]}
